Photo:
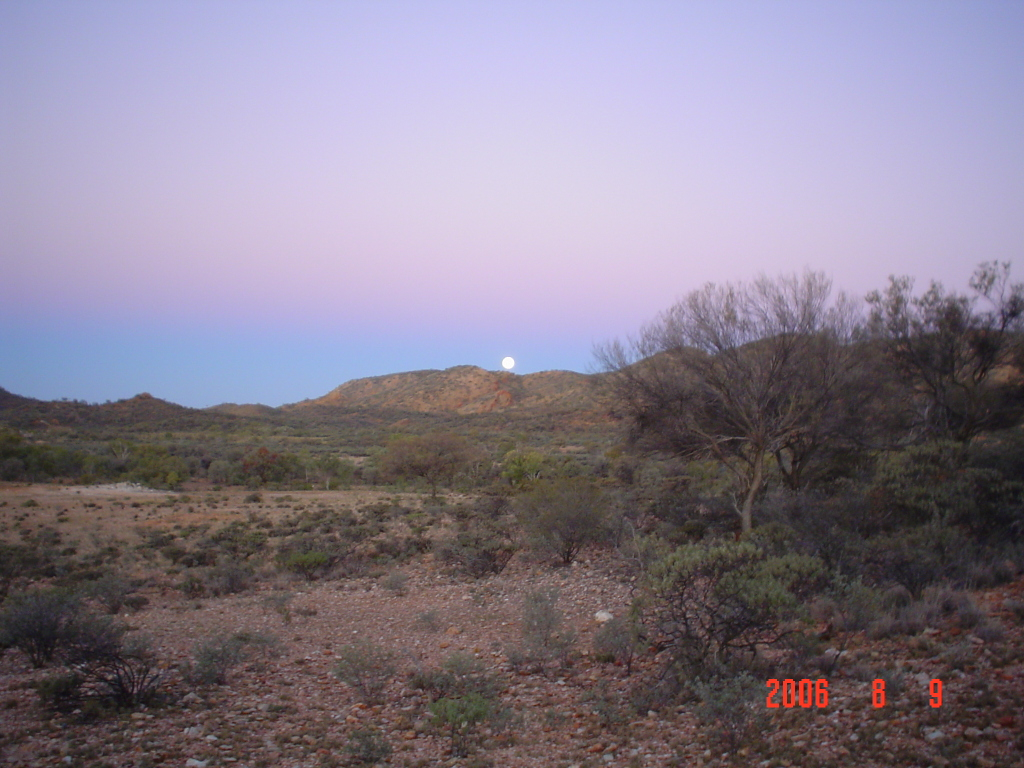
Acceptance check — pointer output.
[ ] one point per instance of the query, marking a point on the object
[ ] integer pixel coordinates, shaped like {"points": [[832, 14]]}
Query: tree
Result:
{"points": [[326, 468], [521, 468], [564, 515], [950, 353], [742, 373], [434, 458]]}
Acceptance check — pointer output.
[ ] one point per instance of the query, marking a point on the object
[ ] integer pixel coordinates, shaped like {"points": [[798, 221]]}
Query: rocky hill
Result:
{"points": [[466, 389]]}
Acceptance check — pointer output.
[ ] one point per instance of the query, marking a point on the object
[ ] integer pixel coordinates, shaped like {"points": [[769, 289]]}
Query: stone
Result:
{"points": [[193, 763], [603, 617]]}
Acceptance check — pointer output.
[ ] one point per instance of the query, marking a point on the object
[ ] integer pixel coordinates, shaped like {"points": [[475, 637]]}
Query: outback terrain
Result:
{"points": [[774, 532], [281, 703]]}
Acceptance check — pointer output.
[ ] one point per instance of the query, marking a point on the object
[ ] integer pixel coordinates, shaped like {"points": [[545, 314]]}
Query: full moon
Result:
{"points": [[507, 363]]}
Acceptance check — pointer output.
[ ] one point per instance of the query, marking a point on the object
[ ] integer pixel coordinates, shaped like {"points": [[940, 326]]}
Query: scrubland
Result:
{"points": [[431, 631]]}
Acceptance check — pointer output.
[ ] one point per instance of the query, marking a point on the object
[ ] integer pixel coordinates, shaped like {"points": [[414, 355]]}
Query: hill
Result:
{"points": [[357, 413], [141, 412], [466, 390]]}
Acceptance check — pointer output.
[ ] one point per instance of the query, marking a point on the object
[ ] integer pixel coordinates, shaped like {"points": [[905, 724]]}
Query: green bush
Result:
{"points": [[933, 483], [708, 602], [459, 717], [308, 564]]}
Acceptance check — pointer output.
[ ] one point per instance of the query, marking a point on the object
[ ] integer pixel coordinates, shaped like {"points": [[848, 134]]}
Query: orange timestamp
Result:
{"points": [[808, 693]]}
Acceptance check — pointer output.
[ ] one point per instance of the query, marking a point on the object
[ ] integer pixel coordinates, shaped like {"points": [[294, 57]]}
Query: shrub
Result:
{"points": [[368, 746], [395, 582], [110, 591], [429, 621], [309, 564], [541, 617], [459, 717], [918, 557], [40, 623], [126, 675], [710, 601], [136, 603], [848, 605], [482, 549], [618, 640], [192, 586], [604, 703], [365, 667], [732, 707], [228, 579], [543, 638], [102, 667], [16, 562], [989, 632], [932, 483], [460, 674], [280, 602], [62, 692], [561, 516], [215, 657]]}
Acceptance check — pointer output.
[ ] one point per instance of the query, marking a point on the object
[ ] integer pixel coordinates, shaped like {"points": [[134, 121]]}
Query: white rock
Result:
{"points": [[193, 763], [603, 617]]}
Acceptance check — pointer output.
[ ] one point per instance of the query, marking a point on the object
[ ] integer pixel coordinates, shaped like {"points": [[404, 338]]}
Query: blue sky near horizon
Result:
{"points": [[256, 201]]}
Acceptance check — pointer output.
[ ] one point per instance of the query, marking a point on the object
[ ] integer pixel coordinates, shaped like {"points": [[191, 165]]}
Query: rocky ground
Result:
{"points": [[287, 709]]}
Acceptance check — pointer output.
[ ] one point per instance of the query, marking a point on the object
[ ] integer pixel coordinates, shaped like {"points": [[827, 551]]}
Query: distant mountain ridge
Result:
{"points": [[464, 389], [461, 390]]}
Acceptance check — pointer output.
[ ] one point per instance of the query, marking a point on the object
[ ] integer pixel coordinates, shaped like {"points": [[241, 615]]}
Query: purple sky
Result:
{"points": [[256, 201]]}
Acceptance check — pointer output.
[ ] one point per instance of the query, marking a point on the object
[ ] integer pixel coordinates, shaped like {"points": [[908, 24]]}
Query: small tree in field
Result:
{"points": [[435, 458], [263, 465], [564, 515]]}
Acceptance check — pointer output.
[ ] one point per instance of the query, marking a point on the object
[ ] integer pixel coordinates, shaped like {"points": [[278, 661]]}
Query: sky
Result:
{"points": [[257, 201]]}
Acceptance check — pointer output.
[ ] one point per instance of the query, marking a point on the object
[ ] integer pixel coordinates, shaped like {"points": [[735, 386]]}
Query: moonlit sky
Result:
{"points": [[257, 201]]}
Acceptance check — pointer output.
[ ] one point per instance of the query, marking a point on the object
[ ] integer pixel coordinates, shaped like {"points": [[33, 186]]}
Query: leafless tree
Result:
{"points": [[742, 373], [956, 353]]}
